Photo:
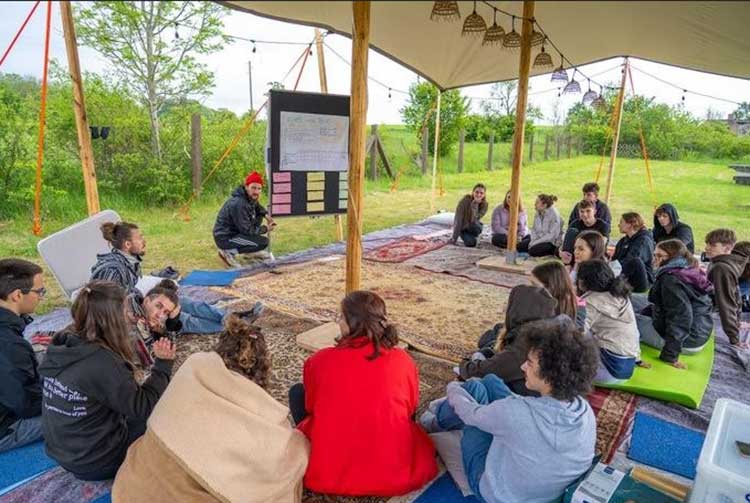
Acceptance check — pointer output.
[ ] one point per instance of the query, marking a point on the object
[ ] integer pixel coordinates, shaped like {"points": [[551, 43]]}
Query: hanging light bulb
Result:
{"points": [[445, 11], [176, 33], [254, 49], [474, 24], [512, 39], [589, 96], [309, 49], [495, 33], [573, 87], [560, 75], [543, 59], [537, 38]]}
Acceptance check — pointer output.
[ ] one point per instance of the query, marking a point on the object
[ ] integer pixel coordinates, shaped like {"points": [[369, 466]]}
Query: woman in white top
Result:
{"points": [[547, 232]]}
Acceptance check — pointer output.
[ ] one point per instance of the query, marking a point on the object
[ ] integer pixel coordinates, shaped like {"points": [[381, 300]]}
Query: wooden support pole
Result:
{"points": [[196, 152], [489, 151], [425, 148], [524, 65], [374, 152], [357, 137], [324, 89], [461, 139], [531, 148], [616, 135], [79, 108], [569, 146], [436, 152], [558, 138], [546, 147]]}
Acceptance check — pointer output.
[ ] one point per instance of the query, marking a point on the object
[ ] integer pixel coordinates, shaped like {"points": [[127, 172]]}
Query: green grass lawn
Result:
{"points": [[704, 193]]}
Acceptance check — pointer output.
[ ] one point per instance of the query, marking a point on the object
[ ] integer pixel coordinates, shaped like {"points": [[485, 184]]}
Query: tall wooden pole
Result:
{"points": [[436, 152], [357, 139], [524, 65], [616, 136], [324, 89], [196, 152], [79, 107]]}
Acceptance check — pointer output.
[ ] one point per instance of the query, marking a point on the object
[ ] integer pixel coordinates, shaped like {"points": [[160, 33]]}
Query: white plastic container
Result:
{"points": [[723, 474]]}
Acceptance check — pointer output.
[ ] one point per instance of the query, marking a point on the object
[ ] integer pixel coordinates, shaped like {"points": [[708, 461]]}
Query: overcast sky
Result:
{"points": [[271, 62]]}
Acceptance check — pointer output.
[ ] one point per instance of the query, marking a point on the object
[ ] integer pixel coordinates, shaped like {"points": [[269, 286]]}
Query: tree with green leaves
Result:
{"points": [[743, 111], [453, 109], [142, 41]]}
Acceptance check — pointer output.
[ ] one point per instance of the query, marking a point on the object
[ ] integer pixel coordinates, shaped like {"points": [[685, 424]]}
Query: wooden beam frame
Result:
{"points": [[616, 135]]}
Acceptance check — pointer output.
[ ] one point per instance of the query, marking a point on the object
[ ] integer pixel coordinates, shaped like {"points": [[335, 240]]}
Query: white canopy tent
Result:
{"points": [[704, 36]]}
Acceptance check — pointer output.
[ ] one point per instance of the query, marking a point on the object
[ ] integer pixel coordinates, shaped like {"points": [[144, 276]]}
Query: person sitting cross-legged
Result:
{"points": [[547, 232], [501, 222], [529, 449], [216, 434], [469, 212], [586, 221], [21, 290], [727, 267], [591, 193], [667, 225], [635, 251], [239, 232]]}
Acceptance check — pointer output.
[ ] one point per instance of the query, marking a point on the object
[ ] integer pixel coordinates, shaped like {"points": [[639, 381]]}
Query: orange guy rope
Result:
{"points": [[37, 228], [18, 34]]}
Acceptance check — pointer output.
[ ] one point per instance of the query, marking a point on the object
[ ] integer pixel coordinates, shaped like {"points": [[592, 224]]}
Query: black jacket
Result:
{"points": [[89, 392], [724, 272], [20, 391], [602, 213], [578, 227], [239, 215], [640, 246], [681, 310], [680, 230]]}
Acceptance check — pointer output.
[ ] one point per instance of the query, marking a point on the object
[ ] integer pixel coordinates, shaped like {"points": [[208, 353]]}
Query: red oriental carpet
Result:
{"points": [[614, 411], [404, 249]]}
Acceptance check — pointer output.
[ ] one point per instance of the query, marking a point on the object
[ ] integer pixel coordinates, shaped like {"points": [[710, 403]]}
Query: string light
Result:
{"points": [[254, 48]]}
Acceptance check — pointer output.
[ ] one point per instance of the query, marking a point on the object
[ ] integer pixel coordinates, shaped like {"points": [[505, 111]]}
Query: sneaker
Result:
{"points": [[229, 259], [168, 272], [251, 314]]}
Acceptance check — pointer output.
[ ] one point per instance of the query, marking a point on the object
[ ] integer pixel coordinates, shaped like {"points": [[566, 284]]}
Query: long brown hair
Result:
{"points": [[243, 348], [675, 248], [595, 241], [634, 219], [555, 278], [117, 233], [507, 206], [365, 313], [99, 317]]}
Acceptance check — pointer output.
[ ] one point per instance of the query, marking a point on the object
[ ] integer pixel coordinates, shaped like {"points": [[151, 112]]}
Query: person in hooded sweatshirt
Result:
{"points": [[502, 351], [635, 252], [610, 320], [678, 318], [239, 231], [667, 225], [245, 448], [529, 449], [21, 290], [93, 408], [724, 272]]}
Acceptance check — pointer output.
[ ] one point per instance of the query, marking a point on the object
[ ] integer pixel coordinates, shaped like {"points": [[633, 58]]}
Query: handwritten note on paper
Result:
{"points": [[314, 142]]}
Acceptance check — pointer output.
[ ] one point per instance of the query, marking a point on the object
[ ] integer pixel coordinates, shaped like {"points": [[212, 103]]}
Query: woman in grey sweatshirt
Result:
{"points": [[529, 449], [547, 232]]}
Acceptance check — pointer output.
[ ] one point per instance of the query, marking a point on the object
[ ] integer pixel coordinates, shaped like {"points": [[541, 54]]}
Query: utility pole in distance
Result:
{"points": [[250, 81]]}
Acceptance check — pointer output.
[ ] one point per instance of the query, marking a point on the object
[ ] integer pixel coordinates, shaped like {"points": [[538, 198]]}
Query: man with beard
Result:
{"points": [[122, 265], [239, 231]]}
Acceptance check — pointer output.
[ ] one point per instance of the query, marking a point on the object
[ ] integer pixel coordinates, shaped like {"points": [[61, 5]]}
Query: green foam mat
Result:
{"points": [[664, 382]]}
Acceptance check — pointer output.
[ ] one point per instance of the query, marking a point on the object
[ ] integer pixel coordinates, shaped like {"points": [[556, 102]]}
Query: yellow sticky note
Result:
{"points": [[344, 175], [343, 185], [315, 207], [343, 194], [318, 176], [316, 185], [315, 195], [342, 204]]}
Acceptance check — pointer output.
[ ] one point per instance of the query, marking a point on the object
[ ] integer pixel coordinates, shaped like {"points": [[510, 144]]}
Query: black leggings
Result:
{"points": [[501, 241], [297, 402], [470, 234], [634, 270], [538, 250], [243, 243]]}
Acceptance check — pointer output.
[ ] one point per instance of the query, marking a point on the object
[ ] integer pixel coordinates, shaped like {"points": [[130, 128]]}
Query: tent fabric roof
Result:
{"points": [[704, 36]]}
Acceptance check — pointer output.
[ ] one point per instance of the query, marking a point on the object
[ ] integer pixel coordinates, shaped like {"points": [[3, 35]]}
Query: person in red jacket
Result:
{"points": [[356, 406]]}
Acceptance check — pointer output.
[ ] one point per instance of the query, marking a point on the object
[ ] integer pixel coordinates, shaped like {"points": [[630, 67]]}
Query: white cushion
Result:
{"points": [[444, 218]]}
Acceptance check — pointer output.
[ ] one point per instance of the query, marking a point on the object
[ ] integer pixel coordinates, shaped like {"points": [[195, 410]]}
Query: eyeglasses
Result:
{"points": [[41, 292]]}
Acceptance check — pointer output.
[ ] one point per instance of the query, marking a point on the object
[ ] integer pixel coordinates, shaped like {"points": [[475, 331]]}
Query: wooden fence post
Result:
{"points": [[546, 147], [559, 141], [461, 138], [569, 145], [196, 152], [531, 147], [425, 148], [489, 152], [374, 152]]}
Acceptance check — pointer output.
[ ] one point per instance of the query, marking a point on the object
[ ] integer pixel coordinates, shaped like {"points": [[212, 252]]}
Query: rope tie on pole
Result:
{"points": [[37, 226]]}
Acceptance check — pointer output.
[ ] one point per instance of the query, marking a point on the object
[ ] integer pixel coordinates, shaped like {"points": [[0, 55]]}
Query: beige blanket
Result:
{"points": [[227, 434]]}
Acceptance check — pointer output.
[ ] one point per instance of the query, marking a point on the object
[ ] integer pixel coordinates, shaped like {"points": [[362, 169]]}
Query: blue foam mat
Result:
{"points": [[444, 490], [210, 278], [106, 498], [665, 445], [23, 463]]}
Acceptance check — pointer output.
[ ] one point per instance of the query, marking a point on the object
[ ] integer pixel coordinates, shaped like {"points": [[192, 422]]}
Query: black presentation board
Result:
{"points": [[307, 186]]}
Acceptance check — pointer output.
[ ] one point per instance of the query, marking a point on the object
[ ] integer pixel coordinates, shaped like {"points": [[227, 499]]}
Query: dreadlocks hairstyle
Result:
{"points": [[365, 313], [99, 317], [243, 349], [117, 233]]}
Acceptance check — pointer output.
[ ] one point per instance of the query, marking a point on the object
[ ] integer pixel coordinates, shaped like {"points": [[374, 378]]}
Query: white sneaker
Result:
{"points": [[229, 258]]}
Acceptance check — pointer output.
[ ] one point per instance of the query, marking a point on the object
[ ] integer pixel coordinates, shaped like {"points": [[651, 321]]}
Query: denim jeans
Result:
{"points": [[22, 432], [200, 317], [475, 443]]}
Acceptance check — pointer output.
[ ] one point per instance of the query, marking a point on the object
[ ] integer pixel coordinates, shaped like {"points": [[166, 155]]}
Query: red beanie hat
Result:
{"points": [[254, 177]]}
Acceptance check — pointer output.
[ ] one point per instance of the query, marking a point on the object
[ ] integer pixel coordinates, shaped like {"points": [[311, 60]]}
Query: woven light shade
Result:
{"points": [[474, 24], [573, 87], [445, 11], [589, 95], [537, 38], [512, 39], [544, 60], [560, 75], [599, 103], [495, 33]]}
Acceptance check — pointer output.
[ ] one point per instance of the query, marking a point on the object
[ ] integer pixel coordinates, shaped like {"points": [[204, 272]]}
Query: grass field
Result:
{"points": [[704, 193]]}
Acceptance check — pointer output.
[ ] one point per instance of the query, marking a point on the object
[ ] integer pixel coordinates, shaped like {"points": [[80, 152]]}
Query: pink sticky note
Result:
{"points": [[281, 209], [282, 187], [281, 198], [282, 177]]}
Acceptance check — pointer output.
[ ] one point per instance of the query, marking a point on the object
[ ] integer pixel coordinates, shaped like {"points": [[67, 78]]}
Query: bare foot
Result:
{"points": [[643, 365], [679, 365]]}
